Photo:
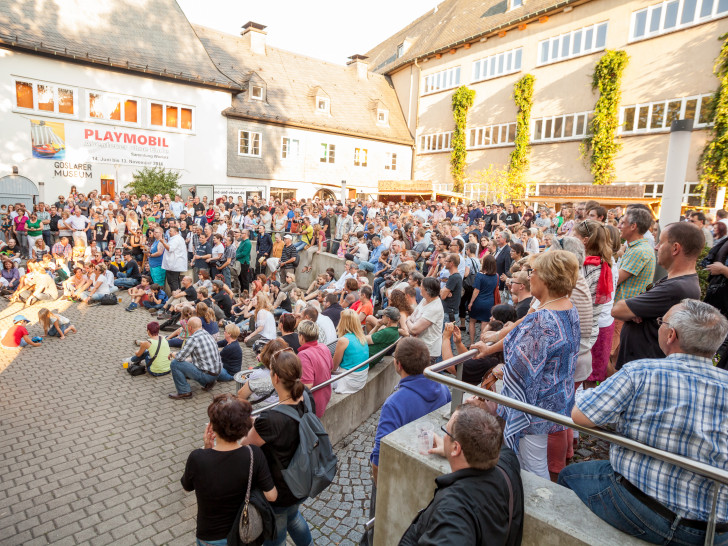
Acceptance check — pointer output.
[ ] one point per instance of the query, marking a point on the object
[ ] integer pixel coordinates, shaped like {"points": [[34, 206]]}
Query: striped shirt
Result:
{"points": [[201, 350], [677, 404], [639, 260]]}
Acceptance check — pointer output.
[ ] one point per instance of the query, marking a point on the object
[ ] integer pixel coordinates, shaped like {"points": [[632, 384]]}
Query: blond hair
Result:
{"points": [[349, 324], [263, 302], [232, 330], [558, 270]]}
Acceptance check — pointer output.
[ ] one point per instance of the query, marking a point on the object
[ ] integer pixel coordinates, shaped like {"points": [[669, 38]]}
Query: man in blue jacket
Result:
{"points": [[414, 397]]}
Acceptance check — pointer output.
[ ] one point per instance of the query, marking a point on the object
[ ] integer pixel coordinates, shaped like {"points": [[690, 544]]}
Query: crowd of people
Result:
{"points": [[564, 306]]}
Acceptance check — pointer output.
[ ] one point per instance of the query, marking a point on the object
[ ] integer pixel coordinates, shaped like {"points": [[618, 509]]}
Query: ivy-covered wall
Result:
{"points": [[519, 161], [462, 100], [713, 163]]}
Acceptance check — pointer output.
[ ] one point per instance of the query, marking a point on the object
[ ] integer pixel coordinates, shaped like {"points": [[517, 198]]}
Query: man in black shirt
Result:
{"points": [[203, 251], [512, 217], [481, 500], [453, 290], [221, 297], [520, 286], [332, 308], [131, 276]]}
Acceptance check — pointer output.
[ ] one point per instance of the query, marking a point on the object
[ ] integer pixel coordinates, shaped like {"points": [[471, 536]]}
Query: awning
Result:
{"points": [[649, 201], [450, 194]]}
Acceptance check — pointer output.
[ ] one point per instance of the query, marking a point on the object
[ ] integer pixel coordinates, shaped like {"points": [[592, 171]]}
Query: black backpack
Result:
{"points": [[470, 279]]}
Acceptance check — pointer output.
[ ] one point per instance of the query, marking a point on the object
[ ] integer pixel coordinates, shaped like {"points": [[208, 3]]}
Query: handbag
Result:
{"points": [[251, 522], [141, 369]]}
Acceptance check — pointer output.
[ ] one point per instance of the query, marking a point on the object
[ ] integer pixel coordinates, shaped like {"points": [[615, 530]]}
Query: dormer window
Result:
{"points": [[323, 105], [515, 3], [256, 92], [382, 117], [400, 50]]}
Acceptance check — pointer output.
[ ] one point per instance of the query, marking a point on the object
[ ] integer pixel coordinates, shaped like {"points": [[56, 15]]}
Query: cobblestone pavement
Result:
{"points": [[90, 455]]}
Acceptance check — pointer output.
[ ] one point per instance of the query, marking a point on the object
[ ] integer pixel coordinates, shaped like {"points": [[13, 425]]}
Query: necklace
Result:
{"points": [[550, 301]]}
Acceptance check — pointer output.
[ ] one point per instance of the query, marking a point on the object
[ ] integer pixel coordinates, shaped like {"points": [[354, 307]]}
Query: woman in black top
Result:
{"points": [[287, 325], [218, 474], [277, 434]]}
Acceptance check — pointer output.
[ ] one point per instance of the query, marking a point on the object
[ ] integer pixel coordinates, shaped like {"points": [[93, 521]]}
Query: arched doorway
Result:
{"points": [[325, 194], [17, 189]]}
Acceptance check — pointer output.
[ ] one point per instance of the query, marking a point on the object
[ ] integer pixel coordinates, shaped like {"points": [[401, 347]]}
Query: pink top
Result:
{"points": [[317, 363]]}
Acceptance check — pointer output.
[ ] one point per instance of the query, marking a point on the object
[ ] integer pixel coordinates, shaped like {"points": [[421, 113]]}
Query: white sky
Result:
{"points": [[326, 29]]}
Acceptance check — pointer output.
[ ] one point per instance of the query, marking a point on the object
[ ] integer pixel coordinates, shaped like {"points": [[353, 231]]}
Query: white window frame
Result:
{"points": [[328, 154], [568, 40], [513, 4], [164, 127], [289, 151], [385, 114], [400, 50], [539, 125], [327, 103], [391, 161], [658, 13], [253, 96], [442, 80], [653, 107], [436, 142], [55, 113], [358, 152], [121, 99], [491, 136], [251, 143], [494, 66]]}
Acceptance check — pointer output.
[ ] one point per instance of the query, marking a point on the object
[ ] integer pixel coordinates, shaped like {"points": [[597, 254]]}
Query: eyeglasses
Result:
{"points": [[442, 428], [661, 321], [529, 271]]}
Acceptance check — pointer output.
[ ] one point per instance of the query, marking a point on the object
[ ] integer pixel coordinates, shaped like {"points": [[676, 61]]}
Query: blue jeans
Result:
{"points": [[149, 305], [299, 245], [225, 376], [226, 276], [377, 289], [147, 362], [123, 282], [366, 266], [181, 371], [175, 342], [289, 520], [596, 484], [220, 542]]}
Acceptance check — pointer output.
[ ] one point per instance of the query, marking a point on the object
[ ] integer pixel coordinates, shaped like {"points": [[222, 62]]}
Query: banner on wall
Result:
{"points": [[90, 143]]}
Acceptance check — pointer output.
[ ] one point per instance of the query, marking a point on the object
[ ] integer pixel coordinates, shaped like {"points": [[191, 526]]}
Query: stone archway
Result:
{"points": [[323, 194], [15, 188]]}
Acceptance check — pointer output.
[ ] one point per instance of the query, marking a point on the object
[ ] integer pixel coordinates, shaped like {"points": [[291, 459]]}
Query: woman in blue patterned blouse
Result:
{"points": [[540, 357]]}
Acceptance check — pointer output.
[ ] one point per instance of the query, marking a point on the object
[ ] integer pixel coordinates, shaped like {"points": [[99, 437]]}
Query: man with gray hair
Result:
{"points": [[685, 400]]}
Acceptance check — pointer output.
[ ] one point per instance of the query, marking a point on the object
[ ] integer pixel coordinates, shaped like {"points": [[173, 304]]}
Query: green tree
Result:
{"points": [[490, 185], [523, 97], [153, 181], [713, 162], [462, 100]]}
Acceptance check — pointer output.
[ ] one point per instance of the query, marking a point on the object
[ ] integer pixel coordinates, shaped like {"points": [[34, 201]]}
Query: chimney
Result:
{"points": [[359, 63], [254, 37]]}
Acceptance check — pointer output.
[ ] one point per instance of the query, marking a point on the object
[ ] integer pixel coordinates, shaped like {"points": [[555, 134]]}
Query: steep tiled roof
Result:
{"points": [[291, 82], [451, 23], [150, 36]]}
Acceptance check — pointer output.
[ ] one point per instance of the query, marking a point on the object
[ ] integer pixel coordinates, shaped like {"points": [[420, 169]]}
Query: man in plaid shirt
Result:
{"points": [[199, 359], [677, 404]]}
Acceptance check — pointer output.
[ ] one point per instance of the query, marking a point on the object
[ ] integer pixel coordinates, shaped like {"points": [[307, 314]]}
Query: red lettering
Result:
{"points": [[141, 139], [87, 133], [96, 135], [129, 139], [164, 143], [108, 136], [152, 141], [118, 136]]}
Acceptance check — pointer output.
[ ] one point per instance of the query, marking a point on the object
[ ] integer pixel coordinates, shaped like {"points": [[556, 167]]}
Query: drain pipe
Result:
{"points": [[417, 115]]}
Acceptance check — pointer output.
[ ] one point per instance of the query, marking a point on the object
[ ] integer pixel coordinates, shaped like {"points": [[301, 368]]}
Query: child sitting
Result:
{"points": [[140, 294], [55, 324], [157, 299], [177, 338], [17, 335]]}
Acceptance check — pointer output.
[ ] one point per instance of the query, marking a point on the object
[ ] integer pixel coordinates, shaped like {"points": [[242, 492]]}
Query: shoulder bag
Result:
{"points": [[251, 522], [141, 369]]}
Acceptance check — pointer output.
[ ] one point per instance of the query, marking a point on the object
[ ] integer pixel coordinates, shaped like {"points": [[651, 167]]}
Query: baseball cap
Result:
{"points": [[288, 237], [19, 318], [392, 312], [275, 283]]}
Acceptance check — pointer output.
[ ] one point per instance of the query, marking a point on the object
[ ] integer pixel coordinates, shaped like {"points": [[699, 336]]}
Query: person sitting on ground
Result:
{"points": [[74, 286], [414, 397], [287, 326], [157, 298], [17, 335], [10, 278], [178, 337], [258, 389], [481, 501], [154, 352], [265, 322], [199, 359], [351, 350], [186, 295], [207, 318], [298, 303], [44, 287], [686, 398], [385, 332], [55, 324], [131, 276], [231, 353], [316, 363], [220, 473], [140, 294]]}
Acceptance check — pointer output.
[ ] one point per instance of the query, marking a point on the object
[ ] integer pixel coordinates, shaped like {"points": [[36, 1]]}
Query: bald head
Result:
{"points": [[194, 324]]}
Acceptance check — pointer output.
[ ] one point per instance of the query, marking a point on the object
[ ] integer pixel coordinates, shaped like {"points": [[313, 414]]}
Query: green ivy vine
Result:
{"points": [[713, 163], [601, 145], [518, 167], [462, 100]]}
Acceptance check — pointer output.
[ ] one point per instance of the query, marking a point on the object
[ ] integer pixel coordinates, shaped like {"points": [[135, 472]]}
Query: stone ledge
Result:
{"points": [[554, 514]]}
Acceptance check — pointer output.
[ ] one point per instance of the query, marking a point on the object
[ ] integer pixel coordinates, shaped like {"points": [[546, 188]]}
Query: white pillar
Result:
{"points": [[675, 169], [720, 199], [344, 196]]}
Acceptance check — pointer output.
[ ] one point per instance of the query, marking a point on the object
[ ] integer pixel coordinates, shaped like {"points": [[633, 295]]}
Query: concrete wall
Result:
{"points": [[554, 515]]}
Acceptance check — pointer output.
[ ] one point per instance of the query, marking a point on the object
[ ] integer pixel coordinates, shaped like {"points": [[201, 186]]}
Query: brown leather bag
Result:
{"points": [[488, 384]]}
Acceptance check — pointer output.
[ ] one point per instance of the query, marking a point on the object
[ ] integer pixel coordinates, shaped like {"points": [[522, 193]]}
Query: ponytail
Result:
{"points": [[287, 366]]}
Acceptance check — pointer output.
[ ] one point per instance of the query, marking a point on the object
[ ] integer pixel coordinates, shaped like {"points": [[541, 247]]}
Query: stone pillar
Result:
{"points": [[675, 169]]}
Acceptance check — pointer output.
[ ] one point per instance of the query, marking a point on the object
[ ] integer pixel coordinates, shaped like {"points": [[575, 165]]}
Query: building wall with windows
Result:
{"points": [[308, 161], [672, 49]]}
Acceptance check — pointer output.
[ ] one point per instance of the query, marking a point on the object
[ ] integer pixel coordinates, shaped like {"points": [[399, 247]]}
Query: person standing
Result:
{"points": [[242, 255], [453, 290], [289, 256], [427, 319], [156, 257], [502, 262], [174, 258]]}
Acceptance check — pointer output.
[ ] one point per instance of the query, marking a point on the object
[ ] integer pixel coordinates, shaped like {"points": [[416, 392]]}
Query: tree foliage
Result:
{"points": [[491, 185], [462, 100], [713, 164], [154, 181], [601, 145], [519, 163]]}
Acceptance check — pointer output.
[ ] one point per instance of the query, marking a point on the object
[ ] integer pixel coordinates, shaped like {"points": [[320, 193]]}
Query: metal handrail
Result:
{"points": [[717, 475], [335, 378]]}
